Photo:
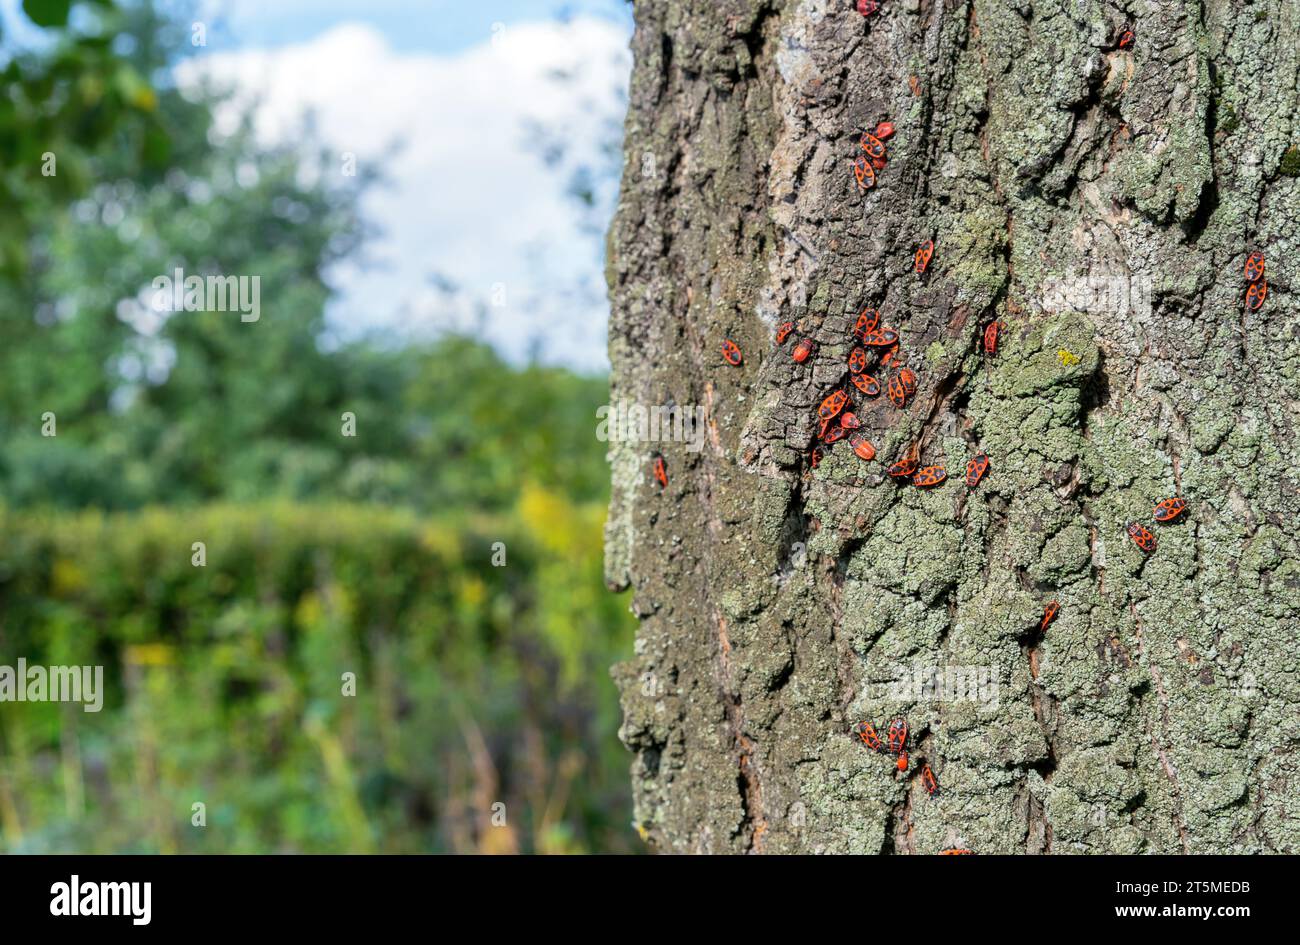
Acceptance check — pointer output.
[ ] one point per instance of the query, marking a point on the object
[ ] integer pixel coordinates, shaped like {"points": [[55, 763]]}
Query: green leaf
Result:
{"points": [[47, 12]]}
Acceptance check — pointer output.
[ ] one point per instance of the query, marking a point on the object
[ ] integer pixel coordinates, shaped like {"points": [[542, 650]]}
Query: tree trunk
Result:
{"points": [[1099, 202]]}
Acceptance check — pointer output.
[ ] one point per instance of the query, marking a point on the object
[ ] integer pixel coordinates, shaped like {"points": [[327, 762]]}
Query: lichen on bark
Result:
{"points": [[1158, 712]]}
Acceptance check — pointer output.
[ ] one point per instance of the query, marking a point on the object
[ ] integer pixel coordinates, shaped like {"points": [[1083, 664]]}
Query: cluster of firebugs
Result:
{"points": [[877, 349]]}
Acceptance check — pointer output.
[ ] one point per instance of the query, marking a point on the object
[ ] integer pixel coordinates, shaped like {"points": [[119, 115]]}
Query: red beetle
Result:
{"points": [[868, 7], [833, 404], [928, 476], [661, 471], [905, 466], [1255, 266], [874, 147], [897, 392], [802, 350], [1169, 509], [1142, 537], [869, 386], [861, 447], [929, 780], [858, 360], [884, 130], [867, 733], [864, 173], [731, 352], [882, 338], [897, 736], [923, 256], [976, 469], [783, 332], [908, 377], [1256, 294], [991, 337], [867, 322], [849, 420], [1049, 614]]}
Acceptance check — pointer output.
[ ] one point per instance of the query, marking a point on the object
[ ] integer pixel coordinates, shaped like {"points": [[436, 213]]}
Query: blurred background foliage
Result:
{"points": [[476, 684]]}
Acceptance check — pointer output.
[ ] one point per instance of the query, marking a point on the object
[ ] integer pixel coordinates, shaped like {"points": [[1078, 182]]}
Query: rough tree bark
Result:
{"points": [[779, 605]]}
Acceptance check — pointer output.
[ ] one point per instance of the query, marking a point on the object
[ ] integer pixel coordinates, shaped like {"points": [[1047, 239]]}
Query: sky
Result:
{"points": [[476, 114]]}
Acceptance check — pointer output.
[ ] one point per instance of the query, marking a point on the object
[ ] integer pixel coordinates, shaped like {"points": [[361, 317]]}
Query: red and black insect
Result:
{"points": [[928, 779], [1256, 294], [731, 352], [928, 476], [867, 322], [864, 173], [882, 338], [897, 736], [783, 332], [878, 163], [834, 434], [976, 469], [905, 466], [885, 130], [869, 386], [991, 337], [815, 456], [863, 449], [1142, 537], [908, 378], [867, 733], [857, 360], [957, 851], [1167, 510], [661, 471], [833, 404], [902, 761], [1049, 614], [874, 147], [868, 7], [849, 420], [1126, 39], [923, 256], [897, 392], [802, 350], [1255, 266], [889, 355]]}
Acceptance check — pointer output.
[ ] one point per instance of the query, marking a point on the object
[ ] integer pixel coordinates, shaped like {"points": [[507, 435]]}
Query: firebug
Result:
{"points": [[868, 7], [1169, 509], [929, 780], [869, 386], [902, 761], [882, 338], [884, 130], [834, 434], [861, 447], [991, 337], [905, 466], [976, 469], [1142, 537], [1049, 614], [874, 147], [928, 476], [1255, 266], [833, 404], [802, 350], [858, 360], [783, 332], [897, 736], [957, 851], [864, 173], [1126, 39], [849, 420], [908, 378], [897, 392], [867, 733], [661, 471], [731, 352], [867, 322], [815, 456], [1256, 294], [923, 256]]}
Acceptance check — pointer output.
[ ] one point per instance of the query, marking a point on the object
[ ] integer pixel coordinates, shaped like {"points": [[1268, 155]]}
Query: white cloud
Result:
{"points": [[468, 195]]}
